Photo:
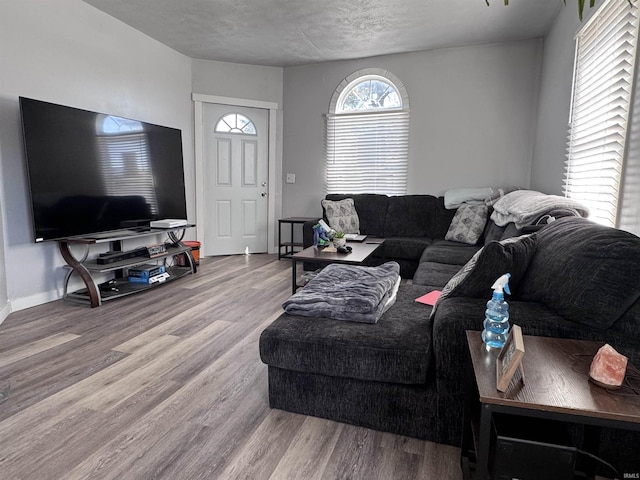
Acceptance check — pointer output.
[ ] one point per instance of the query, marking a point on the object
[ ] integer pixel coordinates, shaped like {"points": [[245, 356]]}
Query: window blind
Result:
{"points": [[367, 152], [126, 167], [602, 89]]}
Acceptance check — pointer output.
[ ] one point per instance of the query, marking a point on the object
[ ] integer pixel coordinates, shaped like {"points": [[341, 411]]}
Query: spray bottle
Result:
{"points": [[496, 323]]}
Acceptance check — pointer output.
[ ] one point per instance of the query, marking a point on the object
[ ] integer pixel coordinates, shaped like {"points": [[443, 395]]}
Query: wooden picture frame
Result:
{"points": [[510, 359]]}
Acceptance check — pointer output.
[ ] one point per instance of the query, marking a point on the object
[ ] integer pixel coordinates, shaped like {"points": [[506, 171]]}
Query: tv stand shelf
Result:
{"points": [[119, 286]]}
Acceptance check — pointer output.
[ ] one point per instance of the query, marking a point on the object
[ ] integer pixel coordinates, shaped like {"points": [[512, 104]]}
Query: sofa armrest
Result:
{"points": [[456, 315]]}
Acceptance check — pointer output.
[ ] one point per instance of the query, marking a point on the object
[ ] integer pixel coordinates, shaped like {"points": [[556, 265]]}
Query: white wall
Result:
{"points": [[68, 52], [549, 153], [237, 80], [473, 113]]}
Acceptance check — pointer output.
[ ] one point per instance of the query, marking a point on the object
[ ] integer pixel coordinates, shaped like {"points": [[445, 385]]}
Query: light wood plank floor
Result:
{"points": [[169, 385]]}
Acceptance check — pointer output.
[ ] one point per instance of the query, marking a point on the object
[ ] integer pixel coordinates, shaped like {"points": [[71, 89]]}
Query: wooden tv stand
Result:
{"points": [[120, 286]]}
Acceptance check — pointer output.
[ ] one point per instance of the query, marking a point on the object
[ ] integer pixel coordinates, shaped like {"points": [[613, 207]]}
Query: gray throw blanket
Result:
{"points": [[523, 207], [347, 292]]}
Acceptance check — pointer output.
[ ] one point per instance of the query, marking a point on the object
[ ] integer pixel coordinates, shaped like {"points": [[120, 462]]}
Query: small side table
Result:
{"points": [[291, 246], [557, 389]]}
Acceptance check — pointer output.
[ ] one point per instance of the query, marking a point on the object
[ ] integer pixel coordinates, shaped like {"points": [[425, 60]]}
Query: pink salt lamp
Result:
{"points": [[608, 367]]}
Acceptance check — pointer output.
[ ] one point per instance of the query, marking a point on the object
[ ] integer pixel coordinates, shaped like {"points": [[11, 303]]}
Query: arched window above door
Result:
{"points": [[235, 123]]}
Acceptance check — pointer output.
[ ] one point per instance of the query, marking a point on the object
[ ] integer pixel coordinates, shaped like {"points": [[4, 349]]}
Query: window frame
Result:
{"points": [[597, 141], [359, 169]]}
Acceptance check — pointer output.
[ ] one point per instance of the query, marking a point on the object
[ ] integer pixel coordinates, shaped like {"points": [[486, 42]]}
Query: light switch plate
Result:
{"points": [[291, 178]]}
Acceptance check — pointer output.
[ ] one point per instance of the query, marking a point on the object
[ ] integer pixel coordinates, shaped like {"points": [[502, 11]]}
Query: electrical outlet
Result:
{"points": [[291, 178]]}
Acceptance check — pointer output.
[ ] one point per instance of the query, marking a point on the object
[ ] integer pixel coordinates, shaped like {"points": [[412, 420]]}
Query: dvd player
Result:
{"points": [[168, 223]]}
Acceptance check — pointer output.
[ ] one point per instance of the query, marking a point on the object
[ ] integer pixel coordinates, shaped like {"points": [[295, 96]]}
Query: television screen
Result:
{"points": [[92, 172]]}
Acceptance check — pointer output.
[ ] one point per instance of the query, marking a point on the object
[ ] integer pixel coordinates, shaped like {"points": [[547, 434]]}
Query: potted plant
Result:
{"points": [[338, 239]]}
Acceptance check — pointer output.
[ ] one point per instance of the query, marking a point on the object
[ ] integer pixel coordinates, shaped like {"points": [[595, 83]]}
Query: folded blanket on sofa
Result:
{"points": [[347, 292], [523, 207], [475, 196]]}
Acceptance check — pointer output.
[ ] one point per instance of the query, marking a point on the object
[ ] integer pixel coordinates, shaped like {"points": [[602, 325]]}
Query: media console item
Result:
{"points": [[120, 285], [156, 250], [112, 257], [168, 223]]}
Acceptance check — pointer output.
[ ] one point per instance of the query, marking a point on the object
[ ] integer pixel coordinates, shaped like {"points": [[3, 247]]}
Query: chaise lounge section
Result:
{"points": [[409, 224]]}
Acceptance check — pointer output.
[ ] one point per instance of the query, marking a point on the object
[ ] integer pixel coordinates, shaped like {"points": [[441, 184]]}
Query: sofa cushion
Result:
{"points": [[446, 251], [407, 248], [468, 224], [475, 279], [434, 274], [371, 208], [397, 349], [492, 231], [342, 215], [585, 272], [443, 220], [410, 216]]}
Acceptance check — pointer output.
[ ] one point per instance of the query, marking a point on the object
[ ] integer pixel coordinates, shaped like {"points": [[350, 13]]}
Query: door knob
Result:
{"points": [[264, 184], [263, 194]]}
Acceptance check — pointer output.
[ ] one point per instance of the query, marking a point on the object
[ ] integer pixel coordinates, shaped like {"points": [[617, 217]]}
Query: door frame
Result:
{"points": [[199, 100]]}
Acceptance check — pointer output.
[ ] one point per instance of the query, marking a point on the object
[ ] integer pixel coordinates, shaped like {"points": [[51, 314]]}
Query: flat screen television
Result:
{"points": [[92, 173]]}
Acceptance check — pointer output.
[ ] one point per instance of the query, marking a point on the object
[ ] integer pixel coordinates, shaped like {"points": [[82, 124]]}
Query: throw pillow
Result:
{"points": [[468, 224], [474, 280], [342, 215]]}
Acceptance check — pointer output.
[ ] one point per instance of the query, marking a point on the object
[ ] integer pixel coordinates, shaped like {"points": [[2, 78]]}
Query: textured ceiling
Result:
{"points": [[294, 32]]}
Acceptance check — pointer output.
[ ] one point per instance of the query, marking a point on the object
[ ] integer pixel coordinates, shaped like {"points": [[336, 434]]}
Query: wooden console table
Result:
{"points": [[557, 388], [87, 269]]}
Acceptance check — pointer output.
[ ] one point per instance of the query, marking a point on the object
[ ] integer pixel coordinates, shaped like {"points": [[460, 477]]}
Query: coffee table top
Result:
{"points": [[361, 251], [556, 379]]}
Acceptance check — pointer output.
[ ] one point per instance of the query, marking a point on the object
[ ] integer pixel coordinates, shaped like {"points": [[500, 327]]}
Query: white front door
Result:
{"points": [[235, 173]]}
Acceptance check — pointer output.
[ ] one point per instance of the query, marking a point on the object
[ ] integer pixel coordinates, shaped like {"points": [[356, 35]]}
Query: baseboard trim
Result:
{"points": [[34, 300], [4, 312]]}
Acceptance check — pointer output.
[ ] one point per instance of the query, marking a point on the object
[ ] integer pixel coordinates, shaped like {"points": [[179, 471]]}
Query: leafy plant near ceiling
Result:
{"points": [[580, 5]]}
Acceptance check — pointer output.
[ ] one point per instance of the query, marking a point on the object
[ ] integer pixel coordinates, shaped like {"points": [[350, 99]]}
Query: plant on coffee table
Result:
{"points": [[338, 239]]}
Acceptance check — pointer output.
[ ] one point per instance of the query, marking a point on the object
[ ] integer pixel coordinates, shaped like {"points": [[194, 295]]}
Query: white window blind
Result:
{"points": [[367, 152], [603, 79]]}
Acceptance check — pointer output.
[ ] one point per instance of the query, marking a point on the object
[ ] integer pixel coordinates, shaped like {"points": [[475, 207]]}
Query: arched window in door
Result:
{"points": [[235, 123]]}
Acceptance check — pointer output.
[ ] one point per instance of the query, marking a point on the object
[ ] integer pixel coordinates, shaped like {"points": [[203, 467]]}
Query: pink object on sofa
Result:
{"points": [[608, 367]]}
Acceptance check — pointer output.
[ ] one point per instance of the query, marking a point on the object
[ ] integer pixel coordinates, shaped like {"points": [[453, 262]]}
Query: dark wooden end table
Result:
{"points": [[361, 252], [556, 388], [291, 245]]}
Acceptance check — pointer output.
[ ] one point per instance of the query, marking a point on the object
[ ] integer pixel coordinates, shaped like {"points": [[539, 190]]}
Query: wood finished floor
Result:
{"points": [[169, 385]]}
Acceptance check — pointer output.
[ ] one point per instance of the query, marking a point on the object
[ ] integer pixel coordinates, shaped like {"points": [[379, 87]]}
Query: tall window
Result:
{"points": [[367, 135], [602, 90]]}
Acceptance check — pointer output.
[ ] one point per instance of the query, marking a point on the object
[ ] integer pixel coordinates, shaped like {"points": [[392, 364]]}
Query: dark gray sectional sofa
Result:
{"points": [[571, 279], [410, 224]]}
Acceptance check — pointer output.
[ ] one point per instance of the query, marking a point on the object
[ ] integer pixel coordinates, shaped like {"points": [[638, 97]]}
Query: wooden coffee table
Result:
{"points": [[557, 388], [361, 252]]}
